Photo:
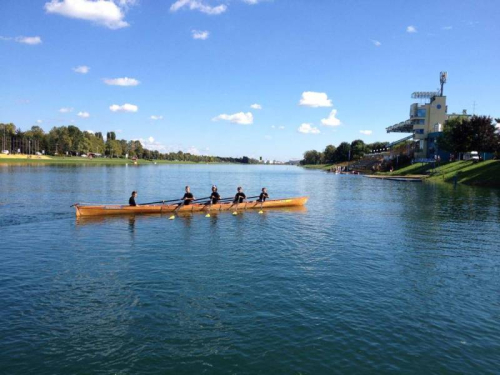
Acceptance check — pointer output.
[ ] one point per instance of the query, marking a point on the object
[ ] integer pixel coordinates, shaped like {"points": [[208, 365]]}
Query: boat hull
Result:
{"points": [[112, 209]]}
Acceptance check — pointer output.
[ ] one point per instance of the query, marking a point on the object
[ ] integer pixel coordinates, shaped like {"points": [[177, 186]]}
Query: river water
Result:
{"points": [[373, 277]]}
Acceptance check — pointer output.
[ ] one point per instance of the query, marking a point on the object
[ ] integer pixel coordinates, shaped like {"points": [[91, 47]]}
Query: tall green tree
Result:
{"points": [[342, 152], [329, 154], [358, 149], [312, 157]]}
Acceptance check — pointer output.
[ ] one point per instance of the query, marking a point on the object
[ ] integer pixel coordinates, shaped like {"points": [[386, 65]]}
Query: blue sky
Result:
{"points": [[352, 64]]}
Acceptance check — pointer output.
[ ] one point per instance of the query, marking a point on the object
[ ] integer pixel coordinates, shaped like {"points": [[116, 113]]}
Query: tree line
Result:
{"points": [[476, 133], [345, 151], [70, 140]]}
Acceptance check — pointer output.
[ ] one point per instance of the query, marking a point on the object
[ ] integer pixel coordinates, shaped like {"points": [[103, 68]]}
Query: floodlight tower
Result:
{"points": [[442, 79]]}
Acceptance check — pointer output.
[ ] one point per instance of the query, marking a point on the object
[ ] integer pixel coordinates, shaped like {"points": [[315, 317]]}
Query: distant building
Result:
{"points": [[426, 122]]}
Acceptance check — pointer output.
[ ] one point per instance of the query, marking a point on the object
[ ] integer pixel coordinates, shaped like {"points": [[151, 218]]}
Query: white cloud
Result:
{"points": [[315, 99], [199, 34], [125, 81], [376, 43], [447, 27], [198, 5], [31, 40], [83, 114], [153, 117], [66, 110], [308, 129], [90, 131], [152, 145], [123, 108], [331, 120], [82, 69], [192, 150], [256, 106], [102, 12], [411, 29], [237, 118], [281, 128], [39, 121], [253, 2], [366, 132]]}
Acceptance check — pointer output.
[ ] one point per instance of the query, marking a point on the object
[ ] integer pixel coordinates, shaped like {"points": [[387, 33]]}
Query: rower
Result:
{"points": [[215, 196], [263, 196], [131, 200], [188, 196], [240, 196]]}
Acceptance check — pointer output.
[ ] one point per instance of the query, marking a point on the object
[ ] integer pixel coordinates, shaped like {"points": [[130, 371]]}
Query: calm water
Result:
{"points": [[375, 277]]}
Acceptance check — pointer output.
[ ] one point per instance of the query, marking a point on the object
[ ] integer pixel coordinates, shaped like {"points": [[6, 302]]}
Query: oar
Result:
{"points": [[235, 212], [145, 204], [177, 210], [222, 200], [183, 204]]}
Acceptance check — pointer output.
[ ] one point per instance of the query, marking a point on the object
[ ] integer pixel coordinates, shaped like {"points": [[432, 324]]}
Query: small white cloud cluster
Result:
{"points": [[200, 35], [83, 114], [237, 118], [82, 69], [125, 81], [66, 110], [31, 40], [366, 132], [315, 99], [256, 106], [198, 5], [155, 118], [102, 12], [376, 43], [307, 128], [411, 29], [123, 108], [331, 120]]}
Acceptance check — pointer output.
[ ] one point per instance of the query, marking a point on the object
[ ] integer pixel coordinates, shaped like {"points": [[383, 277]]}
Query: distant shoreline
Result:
{"points": [[75, 160], [483, 174]]}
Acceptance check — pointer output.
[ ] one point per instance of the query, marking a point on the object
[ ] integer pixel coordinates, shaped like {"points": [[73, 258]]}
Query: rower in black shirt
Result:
{"points": [[188, 196], [263, 196], [240, 196], [131, 200], [215, 196]]}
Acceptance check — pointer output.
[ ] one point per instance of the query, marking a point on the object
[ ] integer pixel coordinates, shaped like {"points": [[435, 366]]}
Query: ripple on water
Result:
{"points": [[373, 277]]}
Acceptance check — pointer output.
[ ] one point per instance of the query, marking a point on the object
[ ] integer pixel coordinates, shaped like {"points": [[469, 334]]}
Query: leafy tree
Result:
{"points": [[329, 154], [358, 149], [342, 152], [312, 157], [484, 137], [469, 134]]}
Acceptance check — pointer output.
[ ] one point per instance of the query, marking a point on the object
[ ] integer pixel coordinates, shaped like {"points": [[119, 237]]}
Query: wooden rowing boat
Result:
{"points": [[114, 209]]}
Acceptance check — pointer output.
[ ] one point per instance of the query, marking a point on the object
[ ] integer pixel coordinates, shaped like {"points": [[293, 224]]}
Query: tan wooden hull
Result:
{"points": [[113, 209]]}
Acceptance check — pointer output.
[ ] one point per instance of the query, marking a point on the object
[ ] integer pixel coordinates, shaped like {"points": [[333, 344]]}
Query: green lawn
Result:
{"points": [[326, 167], [318, 166], [485, 173], [79, 160]]}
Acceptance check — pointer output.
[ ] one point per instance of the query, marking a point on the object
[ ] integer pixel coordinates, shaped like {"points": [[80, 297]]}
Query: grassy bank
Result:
{"points": [[318, 166], [326, 167], [486, 173], [81, 161]]}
